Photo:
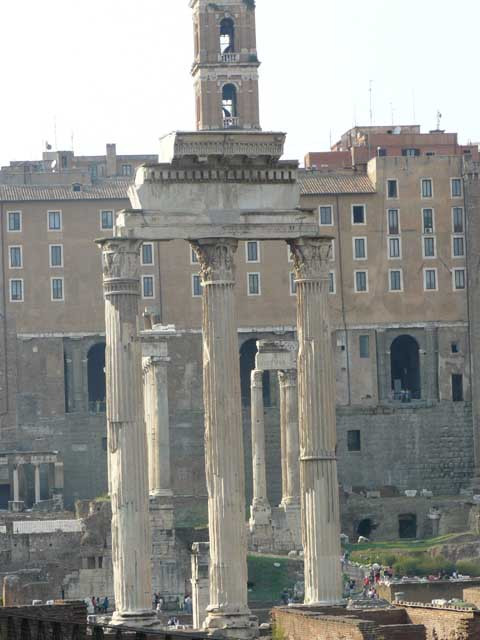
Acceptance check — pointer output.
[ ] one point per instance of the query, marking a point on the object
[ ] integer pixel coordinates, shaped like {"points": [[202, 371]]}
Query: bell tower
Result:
{"points": [[225, 69]]}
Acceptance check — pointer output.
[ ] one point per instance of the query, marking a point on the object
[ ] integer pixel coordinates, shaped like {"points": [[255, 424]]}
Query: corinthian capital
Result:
{"points": [[216, 260], [311, 257], [288, 378], [120, 259]]}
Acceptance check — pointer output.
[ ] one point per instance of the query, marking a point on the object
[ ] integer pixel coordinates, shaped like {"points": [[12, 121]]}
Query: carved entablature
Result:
{"points": [[311, 258], [216, 260]]}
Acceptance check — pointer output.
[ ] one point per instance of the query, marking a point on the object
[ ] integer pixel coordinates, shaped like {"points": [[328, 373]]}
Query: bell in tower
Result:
{"points": [[225, 69]]}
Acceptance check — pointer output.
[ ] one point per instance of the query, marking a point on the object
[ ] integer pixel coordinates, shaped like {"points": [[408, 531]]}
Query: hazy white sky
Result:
{"points": [[118, 70]]}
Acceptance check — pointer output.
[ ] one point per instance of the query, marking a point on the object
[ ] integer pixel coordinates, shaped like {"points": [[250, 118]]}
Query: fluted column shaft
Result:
{"points": [[283, 443], [158, 424], [317, 422], [289, 408], [131, 539], [225, 476]]}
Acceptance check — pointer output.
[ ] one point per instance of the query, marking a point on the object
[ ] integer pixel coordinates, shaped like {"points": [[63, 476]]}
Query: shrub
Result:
{"points": [[468, 568], [422, 565]]}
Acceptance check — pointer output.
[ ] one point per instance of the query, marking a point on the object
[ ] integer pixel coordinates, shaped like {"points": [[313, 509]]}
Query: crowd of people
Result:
{"points": [[99, 606]]}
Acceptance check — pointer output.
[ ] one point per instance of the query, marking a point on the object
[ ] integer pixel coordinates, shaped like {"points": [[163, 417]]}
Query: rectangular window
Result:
{"points": [[147, 287], [56, 255], [193, 256], [289, 254], [326, 216], [364, 346], [106, 219], [361, 281], [15, 257], [427, 188], [358, 214], [392, 189], [459, 280], [196, 286], [354, 441], [393, 222], [428, 221], [395, 280], [147, 253], [458, 246], [457, 220], [457, 387], [54, 220], [16, 290], [430, 279], [252, 251], [293, 284], [394, 249], [14, 221], [127, 170], [410, 153], [253, 284], [456, 187], [57, 289], [429, 247], [360, 248], [331, 282]]}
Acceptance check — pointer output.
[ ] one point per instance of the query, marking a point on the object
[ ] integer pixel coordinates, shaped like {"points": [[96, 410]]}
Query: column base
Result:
{"points": [[16, 506], [260, 515], [134, 619], [242, 626]]}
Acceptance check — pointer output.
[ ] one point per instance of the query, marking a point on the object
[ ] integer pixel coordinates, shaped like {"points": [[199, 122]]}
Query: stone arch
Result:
{"points": [[407, 526], [96, 377], [229, 102], [365, 527], [405, 367]]}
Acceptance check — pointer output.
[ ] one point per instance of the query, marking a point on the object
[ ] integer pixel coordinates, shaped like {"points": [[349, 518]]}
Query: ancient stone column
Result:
{"points": [[158, 423], [260, 511], [131, 540], [283, 444], [317, 422], [37, 483], [228, 609], [289, 417], [200, 588], [16, 485]]}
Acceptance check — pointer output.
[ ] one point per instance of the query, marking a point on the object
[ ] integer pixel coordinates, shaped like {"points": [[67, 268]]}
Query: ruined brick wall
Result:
{"points": [[444, 624], [425, 591], [402, 632], [302, 625]]}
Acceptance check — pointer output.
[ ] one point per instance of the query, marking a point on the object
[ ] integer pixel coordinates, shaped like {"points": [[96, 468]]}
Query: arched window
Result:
{"points": [[96, 378], [227, 36], [405, 368], [229, 106]]}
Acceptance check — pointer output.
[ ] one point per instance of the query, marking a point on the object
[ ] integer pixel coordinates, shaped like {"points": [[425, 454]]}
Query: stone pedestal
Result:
{"points": [[317, 421], [16, 506], [260, 511], [131, 539], [228, 609]]}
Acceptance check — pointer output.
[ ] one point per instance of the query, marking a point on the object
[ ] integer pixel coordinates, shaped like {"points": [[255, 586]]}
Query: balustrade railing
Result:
{"points": [[228, 58], [231, 123]]}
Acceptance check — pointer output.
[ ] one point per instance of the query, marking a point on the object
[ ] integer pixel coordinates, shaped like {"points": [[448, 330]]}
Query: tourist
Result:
{"points": [[94, 604], [188, 605], [105, 605]]}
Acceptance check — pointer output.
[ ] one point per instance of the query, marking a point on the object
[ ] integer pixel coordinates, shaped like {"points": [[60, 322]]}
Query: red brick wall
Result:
{"points": [[309, 626], [402, 632], [446, 622]]}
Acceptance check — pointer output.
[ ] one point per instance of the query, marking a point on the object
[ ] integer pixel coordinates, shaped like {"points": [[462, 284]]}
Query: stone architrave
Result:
{"points": [[317, 422], [131, 538], [228, 609], [260, 511]]}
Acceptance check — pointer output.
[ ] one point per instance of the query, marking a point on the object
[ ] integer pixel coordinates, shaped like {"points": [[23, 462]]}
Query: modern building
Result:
{"points": [[399, 298]]}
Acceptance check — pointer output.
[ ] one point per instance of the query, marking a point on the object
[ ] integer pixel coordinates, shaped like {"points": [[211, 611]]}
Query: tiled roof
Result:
{"points": [[313, 183], [47, 526], [111, 190]]}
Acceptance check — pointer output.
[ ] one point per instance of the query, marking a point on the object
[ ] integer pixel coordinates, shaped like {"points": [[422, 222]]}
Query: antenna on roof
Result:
{"points": [[392, 110], [439, 120], [413, 106], [370, 90], [55, 132]]}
